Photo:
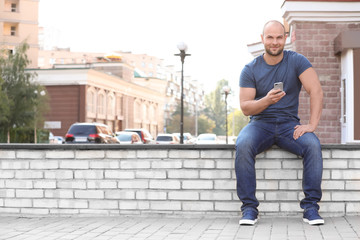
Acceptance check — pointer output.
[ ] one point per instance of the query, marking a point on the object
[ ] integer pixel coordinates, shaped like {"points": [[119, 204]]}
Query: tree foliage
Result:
{"points": [[20, 93], [236, 121], [174, 123], [215, 107]]}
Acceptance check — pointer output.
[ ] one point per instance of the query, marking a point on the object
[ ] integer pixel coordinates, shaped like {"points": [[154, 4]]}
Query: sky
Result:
{"points": [[216, 31]]}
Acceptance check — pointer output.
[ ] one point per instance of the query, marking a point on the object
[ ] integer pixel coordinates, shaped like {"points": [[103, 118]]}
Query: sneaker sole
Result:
{"points": [[247, 222], [314, 222]]}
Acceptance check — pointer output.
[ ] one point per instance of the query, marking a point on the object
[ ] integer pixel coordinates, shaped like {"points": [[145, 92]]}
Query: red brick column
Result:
{"points": [[315, 40]]}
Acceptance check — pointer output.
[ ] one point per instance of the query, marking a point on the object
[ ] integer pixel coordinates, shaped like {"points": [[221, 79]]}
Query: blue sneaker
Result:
{"points": [[249, 218], [312, 217]]}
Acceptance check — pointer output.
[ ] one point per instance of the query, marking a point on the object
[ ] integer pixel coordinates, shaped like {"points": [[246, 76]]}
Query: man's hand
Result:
{"points": [[302, 129], [274, 96]]}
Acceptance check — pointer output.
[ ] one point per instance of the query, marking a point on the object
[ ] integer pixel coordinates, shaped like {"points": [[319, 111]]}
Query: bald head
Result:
{"points": [[273, 23]]}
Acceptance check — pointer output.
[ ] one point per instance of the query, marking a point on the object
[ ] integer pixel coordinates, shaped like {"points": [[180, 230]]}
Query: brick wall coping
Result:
{"points": [[147, 146]]}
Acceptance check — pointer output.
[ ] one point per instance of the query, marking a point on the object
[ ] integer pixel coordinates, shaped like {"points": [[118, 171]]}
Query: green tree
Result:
{"points": [[24, 102], [215, 107], [236, 121], [174, 123], [205, 125]]}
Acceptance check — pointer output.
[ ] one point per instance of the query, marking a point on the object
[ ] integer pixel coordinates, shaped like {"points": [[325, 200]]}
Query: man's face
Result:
{"points": [[274, 39]]}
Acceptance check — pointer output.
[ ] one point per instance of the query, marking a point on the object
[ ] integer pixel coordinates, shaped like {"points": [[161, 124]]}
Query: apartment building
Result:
{"points": [[18, 23]]}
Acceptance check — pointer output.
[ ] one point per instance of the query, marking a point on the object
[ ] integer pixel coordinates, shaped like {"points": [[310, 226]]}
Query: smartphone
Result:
{"points": [[279, 85]]}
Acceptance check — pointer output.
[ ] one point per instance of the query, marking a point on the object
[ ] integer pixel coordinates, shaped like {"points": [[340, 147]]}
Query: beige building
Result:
{"points": [[95, 93], [18, 23], [147, 71]]}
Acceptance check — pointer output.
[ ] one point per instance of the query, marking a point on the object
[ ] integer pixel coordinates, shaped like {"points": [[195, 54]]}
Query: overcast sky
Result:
{"points": [[216, 31]]}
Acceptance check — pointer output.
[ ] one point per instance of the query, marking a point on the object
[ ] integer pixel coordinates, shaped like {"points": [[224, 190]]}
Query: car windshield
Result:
{"points": [[124, 137], [207, 137], [82, 129], [164, 138]]}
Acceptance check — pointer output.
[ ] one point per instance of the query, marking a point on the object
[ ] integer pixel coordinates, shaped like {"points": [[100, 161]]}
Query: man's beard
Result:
{"points": [[268, 51]]}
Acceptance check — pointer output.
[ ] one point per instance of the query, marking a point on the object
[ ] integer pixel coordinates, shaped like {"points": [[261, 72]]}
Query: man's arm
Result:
{"points": [[312, 86], [250, 106]]}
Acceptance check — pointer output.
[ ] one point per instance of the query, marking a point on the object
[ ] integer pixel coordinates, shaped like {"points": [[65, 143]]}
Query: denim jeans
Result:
{"points": [[261, 134]]}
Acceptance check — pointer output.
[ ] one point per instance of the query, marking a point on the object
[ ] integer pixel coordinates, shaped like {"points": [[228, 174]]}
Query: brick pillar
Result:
{"points": [[315, 40]]}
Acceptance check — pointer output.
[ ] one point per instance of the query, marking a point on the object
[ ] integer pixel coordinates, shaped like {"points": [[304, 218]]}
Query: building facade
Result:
{"points": [[92, 93], [18, 23], [143, 70], [328, 34]]}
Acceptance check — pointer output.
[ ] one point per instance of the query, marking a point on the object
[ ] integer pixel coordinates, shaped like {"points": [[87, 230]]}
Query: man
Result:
{"points": [[274, 120]]}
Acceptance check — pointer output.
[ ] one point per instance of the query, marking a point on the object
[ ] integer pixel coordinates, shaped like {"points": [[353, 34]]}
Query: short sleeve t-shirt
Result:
{"points": [[262, 76]]}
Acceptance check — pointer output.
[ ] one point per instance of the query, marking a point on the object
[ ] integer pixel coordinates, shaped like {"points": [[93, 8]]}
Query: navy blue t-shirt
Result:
{"points": [[262, 76]]}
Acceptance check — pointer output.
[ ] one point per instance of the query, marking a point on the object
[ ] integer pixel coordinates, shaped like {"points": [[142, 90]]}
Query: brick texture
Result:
{"points": [[202, 181], [315, 40]]}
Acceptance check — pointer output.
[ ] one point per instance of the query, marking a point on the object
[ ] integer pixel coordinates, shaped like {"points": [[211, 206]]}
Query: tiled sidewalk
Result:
{"points": [[171, 228]]}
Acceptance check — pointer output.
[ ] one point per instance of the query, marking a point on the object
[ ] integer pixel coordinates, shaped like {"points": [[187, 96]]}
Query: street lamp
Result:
{"points": [[182, 47], [42, 93], [226, 91]]}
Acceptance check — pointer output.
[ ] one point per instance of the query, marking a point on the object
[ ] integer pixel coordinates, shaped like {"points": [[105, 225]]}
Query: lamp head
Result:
{"points": [[226, 89], [182, 46]]}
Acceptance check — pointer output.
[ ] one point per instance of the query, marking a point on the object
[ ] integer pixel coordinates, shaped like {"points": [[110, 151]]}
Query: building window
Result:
{"points": [[101, 104], [137, 111], [91, 102], [13, 7], [119, 106], [111, 106], [13, 31], [41, 62]]}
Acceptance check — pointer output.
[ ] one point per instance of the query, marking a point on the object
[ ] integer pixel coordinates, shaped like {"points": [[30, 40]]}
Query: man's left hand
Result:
{"points": [[302, 129]]}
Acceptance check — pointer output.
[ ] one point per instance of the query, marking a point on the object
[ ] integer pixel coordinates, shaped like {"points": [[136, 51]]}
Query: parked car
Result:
{"points": [[128, 137], [188, 138], [207, 138], [59, 140], [90, 133], [144, 135], [167, 138]]}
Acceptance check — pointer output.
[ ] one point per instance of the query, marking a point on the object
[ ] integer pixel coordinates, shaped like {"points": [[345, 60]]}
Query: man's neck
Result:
{"points": [[273, 60]]}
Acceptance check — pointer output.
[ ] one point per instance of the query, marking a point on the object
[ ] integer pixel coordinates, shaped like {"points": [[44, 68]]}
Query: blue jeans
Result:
{"points": [[261, 134]]}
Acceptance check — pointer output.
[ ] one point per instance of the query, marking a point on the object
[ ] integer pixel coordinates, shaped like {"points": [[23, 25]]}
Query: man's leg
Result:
{"points": [[307, 146], [253, 139]]}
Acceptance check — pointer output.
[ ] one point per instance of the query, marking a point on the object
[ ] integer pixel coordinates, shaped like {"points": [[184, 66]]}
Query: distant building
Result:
{"points": [[100, 92], [120, 89], [19, 22], [143, 70]]}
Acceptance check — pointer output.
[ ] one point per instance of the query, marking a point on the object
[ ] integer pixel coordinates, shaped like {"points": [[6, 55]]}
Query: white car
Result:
{"points": [[207, 138], [167, 138], [128, 137]]}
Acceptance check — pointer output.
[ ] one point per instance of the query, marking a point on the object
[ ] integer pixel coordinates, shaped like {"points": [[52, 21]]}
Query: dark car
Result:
{"points": [[90, 133], [144, 135]]}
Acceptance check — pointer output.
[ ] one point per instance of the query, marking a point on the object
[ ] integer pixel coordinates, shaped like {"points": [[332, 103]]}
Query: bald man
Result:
{"points": [[274, 120]]}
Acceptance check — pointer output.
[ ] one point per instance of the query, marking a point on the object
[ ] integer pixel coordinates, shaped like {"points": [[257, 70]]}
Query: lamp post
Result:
{"points": [[182, 47], [42, 93], [226, 91]]}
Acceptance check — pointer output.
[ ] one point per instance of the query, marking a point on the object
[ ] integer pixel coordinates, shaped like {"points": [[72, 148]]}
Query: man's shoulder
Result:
{"points": [[290, 53], [257, 60]]}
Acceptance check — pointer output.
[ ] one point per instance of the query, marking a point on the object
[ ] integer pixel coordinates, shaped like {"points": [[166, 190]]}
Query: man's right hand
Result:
{"points": [[274, 95]]}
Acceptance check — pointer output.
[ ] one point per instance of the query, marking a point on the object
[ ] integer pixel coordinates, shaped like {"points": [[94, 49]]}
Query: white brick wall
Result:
{"points": [[108, 181]]}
